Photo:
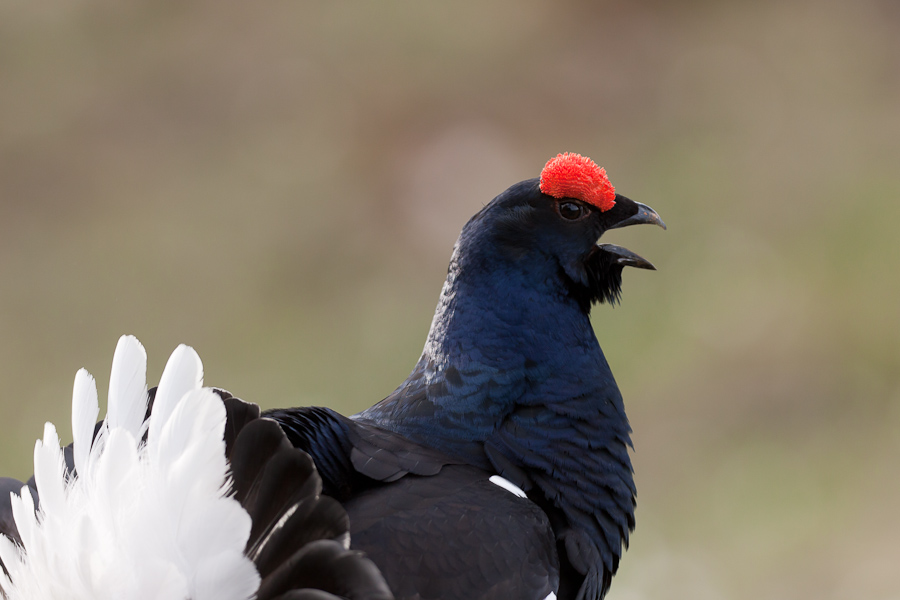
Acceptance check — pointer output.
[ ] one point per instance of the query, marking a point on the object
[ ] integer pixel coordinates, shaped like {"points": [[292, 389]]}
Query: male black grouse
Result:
{"points": [[511, 383], [512, 393]]}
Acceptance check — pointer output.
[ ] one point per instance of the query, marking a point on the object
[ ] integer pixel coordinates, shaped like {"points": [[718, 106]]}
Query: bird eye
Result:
{"points": [[571, 211]]}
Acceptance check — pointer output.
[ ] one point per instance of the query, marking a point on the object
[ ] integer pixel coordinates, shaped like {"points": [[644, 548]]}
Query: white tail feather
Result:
{"points": [[23, 514], [128, 386], [85, 409], [50, 471], [9, 555], [143, 522], [183, 373], [225, 574], [196, 425]]}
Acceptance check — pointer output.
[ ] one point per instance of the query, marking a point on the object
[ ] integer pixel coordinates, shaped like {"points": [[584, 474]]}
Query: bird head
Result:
{"points": [[557, 220]]}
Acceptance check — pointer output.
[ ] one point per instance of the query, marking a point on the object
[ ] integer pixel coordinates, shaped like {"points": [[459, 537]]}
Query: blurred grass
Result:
{"points": [[280, 187]]}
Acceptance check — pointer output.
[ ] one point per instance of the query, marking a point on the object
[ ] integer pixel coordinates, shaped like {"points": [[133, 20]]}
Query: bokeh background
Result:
{"points": [[279, 185]]}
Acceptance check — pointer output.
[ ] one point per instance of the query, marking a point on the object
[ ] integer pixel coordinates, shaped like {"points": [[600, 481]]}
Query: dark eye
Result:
{"points": [[571, 211]]}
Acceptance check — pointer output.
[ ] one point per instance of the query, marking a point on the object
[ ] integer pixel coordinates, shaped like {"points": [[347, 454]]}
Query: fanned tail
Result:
{"points": [[163, 519], [140, 521]]}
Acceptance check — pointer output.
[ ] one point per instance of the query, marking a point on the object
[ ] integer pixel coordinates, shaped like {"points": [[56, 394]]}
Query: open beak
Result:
{"points": [[624, 213]]}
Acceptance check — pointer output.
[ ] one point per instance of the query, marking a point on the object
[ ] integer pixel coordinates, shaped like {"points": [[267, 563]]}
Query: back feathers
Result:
{"points": [[138, 519]]}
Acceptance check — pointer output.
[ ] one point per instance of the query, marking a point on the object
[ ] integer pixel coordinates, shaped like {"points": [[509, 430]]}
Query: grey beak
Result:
{"points": [[645, 214]]}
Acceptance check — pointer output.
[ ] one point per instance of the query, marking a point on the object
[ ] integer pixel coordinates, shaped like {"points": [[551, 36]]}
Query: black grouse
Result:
{"points": [[500, 467]]}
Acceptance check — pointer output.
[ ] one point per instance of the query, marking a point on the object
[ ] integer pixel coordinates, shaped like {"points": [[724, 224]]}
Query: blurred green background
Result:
{"points": [[279, 185]]}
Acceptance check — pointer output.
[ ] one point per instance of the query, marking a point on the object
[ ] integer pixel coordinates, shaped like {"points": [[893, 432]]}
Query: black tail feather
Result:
{"points": [[300, 539]]}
